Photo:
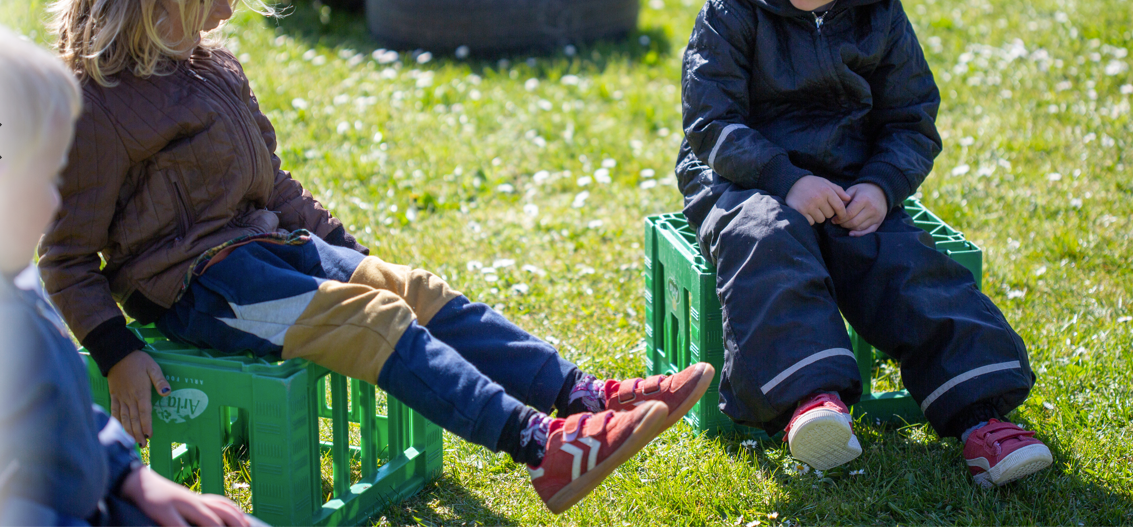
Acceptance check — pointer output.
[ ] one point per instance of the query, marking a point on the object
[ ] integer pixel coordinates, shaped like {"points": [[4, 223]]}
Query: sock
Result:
{"points": [[968, 432], [585, 394], [524, 436], [969, 419], [580, 393]]}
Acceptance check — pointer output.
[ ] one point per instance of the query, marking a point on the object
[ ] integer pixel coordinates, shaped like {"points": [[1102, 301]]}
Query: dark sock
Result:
{"points": [[971, 416], [564, 406], [524, 437]]}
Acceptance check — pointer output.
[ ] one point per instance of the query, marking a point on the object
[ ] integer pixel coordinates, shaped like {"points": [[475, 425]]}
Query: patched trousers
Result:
{"points": [[458, 363], [785, 287]]}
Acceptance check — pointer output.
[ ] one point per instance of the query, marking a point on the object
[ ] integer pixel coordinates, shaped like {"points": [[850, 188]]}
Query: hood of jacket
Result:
{"points": [[784, 7]]}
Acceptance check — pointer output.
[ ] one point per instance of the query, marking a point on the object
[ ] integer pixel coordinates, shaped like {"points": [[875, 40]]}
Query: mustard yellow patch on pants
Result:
{"points": [[352, 328]]}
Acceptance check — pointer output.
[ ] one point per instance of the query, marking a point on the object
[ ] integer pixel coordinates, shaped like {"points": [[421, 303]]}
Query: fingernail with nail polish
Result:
{"points": [[165, 390]]}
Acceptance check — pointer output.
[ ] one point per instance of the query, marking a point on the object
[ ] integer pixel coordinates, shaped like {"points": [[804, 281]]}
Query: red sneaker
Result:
{"points": [[1000, 452], [821, 433], [585, 448], [679, 391]]}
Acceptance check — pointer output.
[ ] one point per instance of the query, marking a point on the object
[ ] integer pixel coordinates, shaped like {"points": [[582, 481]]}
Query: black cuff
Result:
{"points": [[340, 238], [779, 175], [891, 180], [110, 342]]}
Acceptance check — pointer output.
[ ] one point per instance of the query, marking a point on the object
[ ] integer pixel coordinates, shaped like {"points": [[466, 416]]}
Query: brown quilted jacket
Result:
{"points": [[162, 169]]}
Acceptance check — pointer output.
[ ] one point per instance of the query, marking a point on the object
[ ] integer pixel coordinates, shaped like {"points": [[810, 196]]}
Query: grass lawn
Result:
{"points": [[524, 182]]}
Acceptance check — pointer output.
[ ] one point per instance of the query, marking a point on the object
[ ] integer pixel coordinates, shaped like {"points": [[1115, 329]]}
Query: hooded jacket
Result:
{"points": [[771, 94], [162, 169]]}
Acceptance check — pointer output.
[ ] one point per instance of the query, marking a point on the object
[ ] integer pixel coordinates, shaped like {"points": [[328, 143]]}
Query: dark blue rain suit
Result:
{"points": [[772, 94]]}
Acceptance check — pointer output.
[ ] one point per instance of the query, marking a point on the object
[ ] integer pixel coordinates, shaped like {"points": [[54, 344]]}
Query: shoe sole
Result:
{"points": [[702, 385], [1018, 464], [823, 439], [645, 431]]}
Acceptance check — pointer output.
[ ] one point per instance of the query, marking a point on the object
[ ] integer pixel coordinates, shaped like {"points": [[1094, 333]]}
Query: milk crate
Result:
{"points": [[272, 408], [683, 322]]}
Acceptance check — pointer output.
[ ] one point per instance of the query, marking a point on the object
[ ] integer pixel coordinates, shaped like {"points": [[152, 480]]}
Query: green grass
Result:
{"points": [[478, 165]]}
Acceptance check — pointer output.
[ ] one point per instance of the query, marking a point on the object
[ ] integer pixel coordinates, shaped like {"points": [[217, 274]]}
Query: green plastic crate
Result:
{"points": [[684, 324], [273, 410]]}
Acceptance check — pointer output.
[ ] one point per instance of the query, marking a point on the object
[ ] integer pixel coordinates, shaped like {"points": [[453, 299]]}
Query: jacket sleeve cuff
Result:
{"points": [[121, 457], [110, 342], [779, 175], [340, 238], [891, 180]]}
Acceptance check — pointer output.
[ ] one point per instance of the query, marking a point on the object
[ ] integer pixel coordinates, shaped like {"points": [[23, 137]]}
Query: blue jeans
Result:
{"points": [[468, 369]]}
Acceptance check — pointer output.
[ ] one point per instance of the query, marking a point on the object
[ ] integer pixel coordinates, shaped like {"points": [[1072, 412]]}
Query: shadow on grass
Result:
{"points": [[908, 475], [442, 502], [318, 25]]}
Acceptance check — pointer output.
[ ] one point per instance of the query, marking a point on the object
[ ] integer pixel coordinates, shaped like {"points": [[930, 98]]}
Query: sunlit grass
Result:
{"points": [[524, 181]]}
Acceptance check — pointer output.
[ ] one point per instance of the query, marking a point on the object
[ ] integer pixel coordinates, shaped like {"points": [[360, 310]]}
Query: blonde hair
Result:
{"points": [[38, 95], [98, 39]]}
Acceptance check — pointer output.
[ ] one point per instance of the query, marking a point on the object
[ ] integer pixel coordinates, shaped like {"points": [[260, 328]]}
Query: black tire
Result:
{"points": [[498, 25]]}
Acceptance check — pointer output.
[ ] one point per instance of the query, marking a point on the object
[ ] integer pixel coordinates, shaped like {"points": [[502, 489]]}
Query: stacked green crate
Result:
{"points": [[273, 409], [684, 322]]}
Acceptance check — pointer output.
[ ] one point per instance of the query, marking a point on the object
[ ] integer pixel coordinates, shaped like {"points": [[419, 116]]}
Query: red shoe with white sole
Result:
{"points": [[821, 433], [679, 391], [585, 448], [1000, 452]]}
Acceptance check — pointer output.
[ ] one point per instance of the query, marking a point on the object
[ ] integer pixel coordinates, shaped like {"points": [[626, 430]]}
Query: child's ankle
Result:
{"points": [[971, 419], [585, 394], [524, 436]]}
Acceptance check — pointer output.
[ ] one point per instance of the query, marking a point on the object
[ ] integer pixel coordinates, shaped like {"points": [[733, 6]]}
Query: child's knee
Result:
{"points": [[424, 292]]}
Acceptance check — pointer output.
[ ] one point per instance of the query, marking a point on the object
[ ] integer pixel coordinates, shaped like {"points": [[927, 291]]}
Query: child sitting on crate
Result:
{"points": [[174, 183], [60, 462], [807, 124]]}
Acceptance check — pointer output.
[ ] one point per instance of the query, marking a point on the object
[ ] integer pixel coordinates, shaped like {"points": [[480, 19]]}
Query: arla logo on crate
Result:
{"points": [[181, 405]]}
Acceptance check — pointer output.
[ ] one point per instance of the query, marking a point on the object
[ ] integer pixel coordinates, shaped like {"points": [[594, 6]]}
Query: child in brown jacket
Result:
{"points": [[175, 185]]}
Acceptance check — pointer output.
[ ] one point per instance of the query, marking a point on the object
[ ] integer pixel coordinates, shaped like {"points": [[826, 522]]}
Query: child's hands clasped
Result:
{"points": [[129, 382], [168, 503], [818, 199], [866, 209]]}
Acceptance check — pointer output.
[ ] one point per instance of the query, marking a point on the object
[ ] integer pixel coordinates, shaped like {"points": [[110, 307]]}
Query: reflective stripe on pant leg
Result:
{"points": [[349, 328], [825, 354], [424, 292], [967, 376]]}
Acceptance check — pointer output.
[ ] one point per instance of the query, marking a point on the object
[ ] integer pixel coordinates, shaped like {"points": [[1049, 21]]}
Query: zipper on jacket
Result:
{"points": [[236, 117], [183, 222], [819, 21]]}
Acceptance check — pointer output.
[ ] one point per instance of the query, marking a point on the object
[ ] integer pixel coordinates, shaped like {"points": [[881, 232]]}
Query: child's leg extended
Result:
{"points": [[528, 368], [271, 298], [783, 335]]}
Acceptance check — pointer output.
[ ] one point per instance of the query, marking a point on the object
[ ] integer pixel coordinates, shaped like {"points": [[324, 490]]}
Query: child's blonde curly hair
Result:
{"points": [[98, 39]]}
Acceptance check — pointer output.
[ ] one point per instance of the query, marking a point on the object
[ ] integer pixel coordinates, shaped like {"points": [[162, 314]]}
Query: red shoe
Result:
{"points": [[999, 453], [585, 448], [679, 391], [821, 434]]}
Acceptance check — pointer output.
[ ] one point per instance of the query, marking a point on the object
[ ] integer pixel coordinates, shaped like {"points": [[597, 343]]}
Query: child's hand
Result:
{"points": [[129, 383], [818, 199], [866, 209], [168, 503]]}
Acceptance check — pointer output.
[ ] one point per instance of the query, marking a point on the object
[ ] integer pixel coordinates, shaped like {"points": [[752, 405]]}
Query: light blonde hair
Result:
{"points": [[39, 100], [98, 39]]}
